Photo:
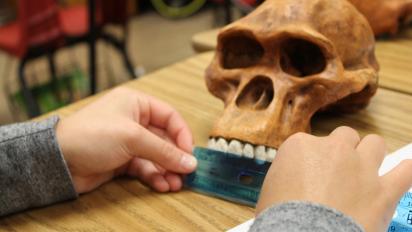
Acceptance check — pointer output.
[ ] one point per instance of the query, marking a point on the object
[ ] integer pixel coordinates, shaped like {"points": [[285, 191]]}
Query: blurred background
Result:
{"points": [[54, 52]]}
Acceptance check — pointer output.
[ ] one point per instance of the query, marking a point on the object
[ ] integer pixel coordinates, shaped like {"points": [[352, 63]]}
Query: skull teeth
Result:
{"points": [[239, 148], [248, 151], [222, 145], [235, 147]]}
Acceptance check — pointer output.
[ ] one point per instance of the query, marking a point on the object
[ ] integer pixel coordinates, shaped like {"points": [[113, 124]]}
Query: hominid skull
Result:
{"points": [[385, 16], [278, 66]]}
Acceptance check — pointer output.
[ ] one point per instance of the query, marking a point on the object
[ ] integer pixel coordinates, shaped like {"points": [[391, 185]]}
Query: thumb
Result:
{"points": [[151, 147], [399, 180]]}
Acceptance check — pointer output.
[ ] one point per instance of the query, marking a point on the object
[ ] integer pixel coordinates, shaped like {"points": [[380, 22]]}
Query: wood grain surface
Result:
{"points": [[394, 56], [126, 205]]}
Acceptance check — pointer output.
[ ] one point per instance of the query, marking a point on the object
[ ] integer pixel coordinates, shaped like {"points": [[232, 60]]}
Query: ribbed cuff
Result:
{"points": [[304, 216]]}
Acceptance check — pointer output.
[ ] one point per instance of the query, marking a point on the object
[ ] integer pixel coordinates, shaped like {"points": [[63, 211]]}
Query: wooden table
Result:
{"points": [[126, 205], [394, 56]]}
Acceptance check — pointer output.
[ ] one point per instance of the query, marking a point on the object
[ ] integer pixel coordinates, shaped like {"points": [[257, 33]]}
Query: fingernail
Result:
{"points": [[188, 162]]}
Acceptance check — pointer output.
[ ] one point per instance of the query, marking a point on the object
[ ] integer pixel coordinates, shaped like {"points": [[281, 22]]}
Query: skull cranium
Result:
{"points": [[287, 60], [385, 16]]}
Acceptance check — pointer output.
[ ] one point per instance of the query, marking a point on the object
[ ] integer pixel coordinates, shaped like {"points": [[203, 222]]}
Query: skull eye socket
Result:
{"points": [[240, 51], [301, 58]]}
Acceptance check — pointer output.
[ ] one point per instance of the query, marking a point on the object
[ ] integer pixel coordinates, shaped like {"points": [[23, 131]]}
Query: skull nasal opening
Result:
{"points": [[240, 51], [301, 58], [257, 94]]}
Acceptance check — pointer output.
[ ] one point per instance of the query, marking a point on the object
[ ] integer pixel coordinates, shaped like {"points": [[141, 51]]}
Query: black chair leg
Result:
{"points": [[32, 106], [123, 50], [92, 46], [127, 62], [120, 45], [55, 82]]}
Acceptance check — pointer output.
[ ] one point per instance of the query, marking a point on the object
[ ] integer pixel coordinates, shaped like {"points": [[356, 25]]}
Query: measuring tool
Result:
{"points": [[227, 176], [239, 179], [402, 219]]}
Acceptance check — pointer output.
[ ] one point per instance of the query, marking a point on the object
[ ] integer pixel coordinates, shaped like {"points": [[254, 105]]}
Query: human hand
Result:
{"points": [[129, 133], [339, 171]]}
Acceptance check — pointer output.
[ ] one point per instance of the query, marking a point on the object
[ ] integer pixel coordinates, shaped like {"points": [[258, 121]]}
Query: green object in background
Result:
{"points": [[49, 98], [79, 82], [177, 8]]}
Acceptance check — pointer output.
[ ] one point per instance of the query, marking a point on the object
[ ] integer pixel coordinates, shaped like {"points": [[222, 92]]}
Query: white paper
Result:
{"points": [[244, 227], [390, 162], [395, 158]]}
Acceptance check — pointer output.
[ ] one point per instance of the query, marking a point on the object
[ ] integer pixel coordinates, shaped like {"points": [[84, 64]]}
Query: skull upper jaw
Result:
{"points": [[265, 107], [249, 127], [289, 112]]}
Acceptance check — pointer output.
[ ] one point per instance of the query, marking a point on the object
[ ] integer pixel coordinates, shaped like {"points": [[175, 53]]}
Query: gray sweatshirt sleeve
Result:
{"points": [[33, 172], [304, 217]]}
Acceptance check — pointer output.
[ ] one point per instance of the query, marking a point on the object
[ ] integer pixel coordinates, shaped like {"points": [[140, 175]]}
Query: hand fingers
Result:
{"points": [[149, 174], [399, 180], [161, 133], [174, 180], [146, 172], [160, 168], [151, 147], [163, 116], [372, 149], [347, 135]]}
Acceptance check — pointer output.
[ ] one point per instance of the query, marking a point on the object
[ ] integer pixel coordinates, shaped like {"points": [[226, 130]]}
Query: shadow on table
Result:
{"points": [[327, 122]]}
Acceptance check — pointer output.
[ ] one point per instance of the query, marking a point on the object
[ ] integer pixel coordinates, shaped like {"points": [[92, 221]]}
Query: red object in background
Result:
{"points": [[37, 25], [42, 27], [42, 23], [74, 20], [35, 33], [75, 25]]}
